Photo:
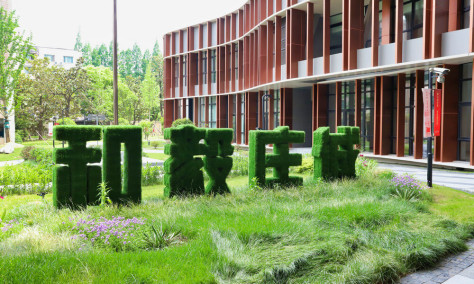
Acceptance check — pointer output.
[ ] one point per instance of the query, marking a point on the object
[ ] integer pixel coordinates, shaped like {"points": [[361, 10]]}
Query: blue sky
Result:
{"points": [[55, 23]]}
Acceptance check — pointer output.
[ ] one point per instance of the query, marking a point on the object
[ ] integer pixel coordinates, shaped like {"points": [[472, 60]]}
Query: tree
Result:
{"points": [[14, 51], [78, 46], [86, 54], [35, 98], [72, 86], [151, 94]]}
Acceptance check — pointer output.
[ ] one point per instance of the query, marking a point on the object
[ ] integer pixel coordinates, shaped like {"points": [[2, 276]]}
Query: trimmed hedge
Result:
{"points": [[183, 171], [131, 189], [71, 184], [334, 153], [280, 160]]}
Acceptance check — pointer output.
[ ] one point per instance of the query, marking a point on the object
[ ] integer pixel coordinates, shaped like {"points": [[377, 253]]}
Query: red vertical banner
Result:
{"points": [[437, 112], [427, 111]]}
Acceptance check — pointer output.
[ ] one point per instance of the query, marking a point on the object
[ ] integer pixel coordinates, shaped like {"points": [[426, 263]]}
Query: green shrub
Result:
{"points": [[182, 121], [364, 166], [240, 165], [25, 178], [307, 165], [18, 138], [155, 144], [38, 155], [26, 152], [152, 175], [123, 121], [66, 121]]}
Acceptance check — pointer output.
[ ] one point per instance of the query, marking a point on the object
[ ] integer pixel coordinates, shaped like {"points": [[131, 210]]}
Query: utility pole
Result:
{"points": [[115, 66]]}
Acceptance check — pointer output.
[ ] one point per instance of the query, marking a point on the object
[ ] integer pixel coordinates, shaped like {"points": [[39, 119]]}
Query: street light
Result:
{"points": [[440, 73], [265, 109]]}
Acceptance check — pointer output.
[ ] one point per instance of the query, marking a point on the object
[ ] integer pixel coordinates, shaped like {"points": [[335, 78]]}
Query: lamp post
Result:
{"points": [[440, 74]]}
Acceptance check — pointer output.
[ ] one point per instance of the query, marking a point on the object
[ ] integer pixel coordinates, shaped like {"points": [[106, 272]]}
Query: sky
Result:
{"points": [[55, 23]]}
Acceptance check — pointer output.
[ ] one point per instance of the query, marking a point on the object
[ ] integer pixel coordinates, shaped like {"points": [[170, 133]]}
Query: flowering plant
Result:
{"points": [[407, 187], [364, 165], [115, 233]]}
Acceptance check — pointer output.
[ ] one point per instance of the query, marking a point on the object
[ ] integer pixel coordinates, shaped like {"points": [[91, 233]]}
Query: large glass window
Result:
{"points": [[367, 115], [236, 53], [213, 66], [412, 19], [283, 41], [464, 128], [184, 78], [202, 112], [234, 104], [204, 67], [212, 112], [347, 103], [176, 72], [409, 113], [332, 108], [336, 34], [465, 13], [276, 108]]}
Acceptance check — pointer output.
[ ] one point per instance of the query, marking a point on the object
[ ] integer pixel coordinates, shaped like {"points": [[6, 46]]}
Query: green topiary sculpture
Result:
{"points": [[76, 184], [183, 175], [217, 162], [334, 153], [131, 137], [280, 160]]}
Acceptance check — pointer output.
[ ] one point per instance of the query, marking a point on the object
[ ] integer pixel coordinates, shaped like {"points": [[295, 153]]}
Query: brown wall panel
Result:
{"points": [[345, 34], [262, 53], [270, 44], [398, 31], [297, 40], [455, 8], [326, 35], [286, 107], [320, 103], [386, 28], [386, 99], [309, 38], [439, 24], [355, 32], [427, 9], [250, 114], [450, 115], [238, 118], [377, 113], [375, 32], [169, 107]]}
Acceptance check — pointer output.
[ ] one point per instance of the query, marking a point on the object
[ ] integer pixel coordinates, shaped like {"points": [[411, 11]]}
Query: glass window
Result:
{"points": [[212, 112], [348, 104], [68, 59], [283, 41], [50, 57], [236, 52], [234, 103], [204, 67], [367, 115], [412, 19], [276, 108], [464, 124], [202, 112], [336, 34], [332, 108], [465, 13], [184, 78], [213, 66], [176, 72], [242, 118]]}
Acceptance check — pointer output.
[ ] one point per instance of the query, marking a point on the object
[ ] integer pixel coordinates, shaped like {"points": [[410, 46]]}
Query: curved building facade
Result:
{"points": [[312, 63]]}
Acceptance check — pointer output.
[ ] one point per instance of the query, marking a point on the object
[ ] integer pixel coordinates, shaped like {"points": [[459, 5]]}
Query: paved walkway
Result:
{"points": [[457, 269], [11, 163], [458, 180]]}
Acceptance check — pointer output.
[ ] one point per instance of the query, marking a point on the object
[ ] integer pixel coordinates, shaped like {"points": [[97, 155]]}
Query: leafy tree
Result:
{"points": [[147, 127], [14, 52], [78, 46], [37, 104], [72, 86], [86, 54], [151, 94]]}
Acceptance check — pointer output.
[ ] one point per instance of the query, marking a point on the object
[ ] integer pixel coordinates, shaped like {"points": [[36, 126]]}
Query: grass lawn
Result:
{"points": [[42, 143], [158, 156], [351, 231], [11, 157]]}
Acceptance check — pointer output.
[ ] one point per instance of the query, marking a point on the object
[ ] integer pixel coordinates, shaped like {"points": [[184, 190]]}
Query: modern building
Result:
{"points": [[316, 63], [66, 58]]}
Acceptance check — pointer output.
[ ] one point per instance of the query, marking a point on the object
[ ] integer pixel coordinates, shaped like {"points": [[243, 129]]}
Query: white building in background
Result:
{"points": [[66, 58]]}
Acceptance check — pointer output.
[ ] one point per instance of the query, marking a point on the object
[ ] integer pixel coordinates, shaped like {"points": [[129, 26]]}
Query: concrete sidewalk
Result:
{"points": [[458, 180]]}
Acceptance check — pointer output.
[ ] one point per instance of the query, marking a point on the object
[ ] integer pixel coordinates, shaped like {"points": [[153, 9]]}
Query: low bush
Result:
{"points": [[365, 166], [155, 144], [307, 165], [38, 155], [240, 165], [181, 121], [25, 178], [152, 175], [407, 187]]}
